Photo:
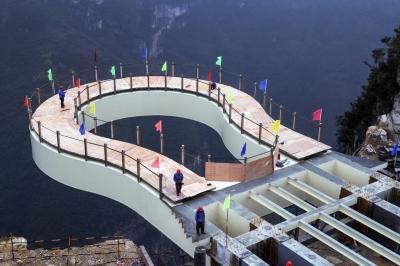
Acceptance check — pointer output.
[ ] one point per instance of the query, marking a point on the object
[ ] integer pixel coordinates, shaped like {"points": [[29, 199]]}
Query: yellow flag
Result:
{"points": [[92, 109], [229, 96], [276, 126]]}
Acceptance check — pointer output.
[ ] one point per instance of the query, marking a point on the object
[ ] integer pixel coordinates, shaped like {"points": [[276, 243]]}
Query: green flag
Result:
{"points": [[50, 75], [219, 61], [229, 96], [164, 67], [227, 203], [112, 71]]}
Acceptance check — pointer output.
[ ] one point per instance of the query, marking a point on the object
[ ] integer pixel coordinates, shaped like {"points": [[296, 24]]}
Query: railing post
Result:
{"points": [[255, 90], [280, 112], [96, 73], [83, 117], [79, 98], [115, 86], [223, 103], [181, 82], [58, 141], [40, 130], [12, 246], [245, 160], [220, 75], [87, 93], [264, 100], [147, 67], [95, 125], [241, 123], [138, 169], [165, 81], [99, 84], [197, 71], [230, 113], [138, 135], [76, 110], [259, 132], [197, 86], [123, 161], [209, 157], [53, 87], [148, 81], [38, 95], [209, 90], [105, 154], [160, 177], [173, 69], [73, 78], [85, 148], [294, 121], [120, 71], [240, 81], [183, 154], [319, 131], [219, 96], [112, 129], [161, 143], [131, 81], [270, 106], [30, 113]]}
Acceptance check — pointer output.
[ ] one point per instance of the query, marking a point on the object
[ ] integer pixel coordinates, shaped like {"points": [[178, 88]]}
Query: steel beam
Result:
{"points": [[385, 231], [271, 205], [310, 190], [335, 245], [291, 198], [378, 248]]}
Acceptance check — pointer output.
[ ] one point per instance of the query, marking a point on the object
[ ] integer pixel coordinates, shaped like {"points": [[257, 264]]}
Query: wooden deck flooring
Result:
{"points": [[53, 119]]}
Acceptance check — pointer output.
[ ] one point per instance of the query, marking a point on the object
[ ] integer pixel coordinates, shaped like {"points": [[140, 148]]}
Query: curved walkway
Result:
{"points": [[245, 112]]}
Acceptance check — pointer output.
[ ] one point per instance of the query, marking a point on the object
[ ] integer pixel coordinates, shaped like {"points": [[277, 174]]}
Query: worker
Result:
{"points": [[61, 95], [200, 218], [178, 178], [213, 85]]}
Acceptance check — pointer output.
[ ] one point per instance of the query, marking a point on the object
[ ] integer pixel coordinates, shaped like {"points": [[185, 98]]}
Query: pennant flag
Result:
{"points": [[317, 115], [50, 74], [144, 54], [227, 203], [276, 126], [394, 150], [209, 75], [94, 55], [112, 71], [164, 67], [243, 151], [262, 85], [219, 61], [156, 163], [92, 108], [229, 96], [78, 83], [158, 126], [26, 102], [82, 129]]}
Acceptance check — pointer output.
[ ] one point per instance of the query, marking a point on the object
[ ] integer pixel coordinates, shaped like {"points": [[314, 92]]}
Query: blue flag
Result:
{"points": [[394, 150], [82, 129], [262, 86], [144, 55], [243, 151]]}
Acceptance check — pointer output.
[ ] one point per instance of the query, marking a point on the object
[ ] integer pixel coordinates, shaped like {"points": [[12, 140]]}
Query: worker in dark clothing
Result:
{"points": [[213, 85], [178, 178], [61, 95], [200, 218]]}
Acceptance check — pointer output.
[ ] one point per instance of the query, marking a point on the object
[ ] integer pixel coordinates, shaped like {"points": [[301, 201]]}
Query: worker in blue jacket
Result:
{"points": [[61, 95], [178, 178], [200, 218]]}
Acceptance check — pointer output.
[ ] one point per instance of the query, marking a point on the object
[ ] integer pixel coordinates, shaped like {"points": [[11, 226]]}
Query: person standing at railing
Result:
{"points": [[200, 219], [178, 178], [61, 95], [213, 85]]}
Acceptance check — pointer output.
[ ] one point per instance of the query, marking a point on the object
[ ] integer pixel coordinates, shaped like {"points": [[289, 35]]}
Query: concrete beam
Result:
{"points": [[378, 248], [271, 205], [291, 198], [345, 251], [383, 230], [310, 190]]}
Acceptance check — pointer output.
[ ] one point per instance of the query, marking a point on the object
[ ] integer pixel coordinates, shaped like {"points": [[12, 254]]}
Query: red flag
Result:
{"points": [[317, 115], [94, 55], [158, 126], [26, 102], [78, 83], [289, 263], [209, 75], [156, 163]]}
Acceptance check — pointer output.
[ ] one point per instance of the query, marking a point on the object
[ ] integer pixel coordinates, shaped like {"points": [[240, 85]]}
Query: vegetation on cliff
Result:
{"points": [[376, 97]]}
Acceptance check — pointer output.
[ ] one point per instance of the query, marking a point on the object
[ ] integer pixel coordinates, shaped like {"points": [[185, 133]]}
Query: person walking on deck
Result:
{"points": [[178, 178], [61, 95], [200, 219]]}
